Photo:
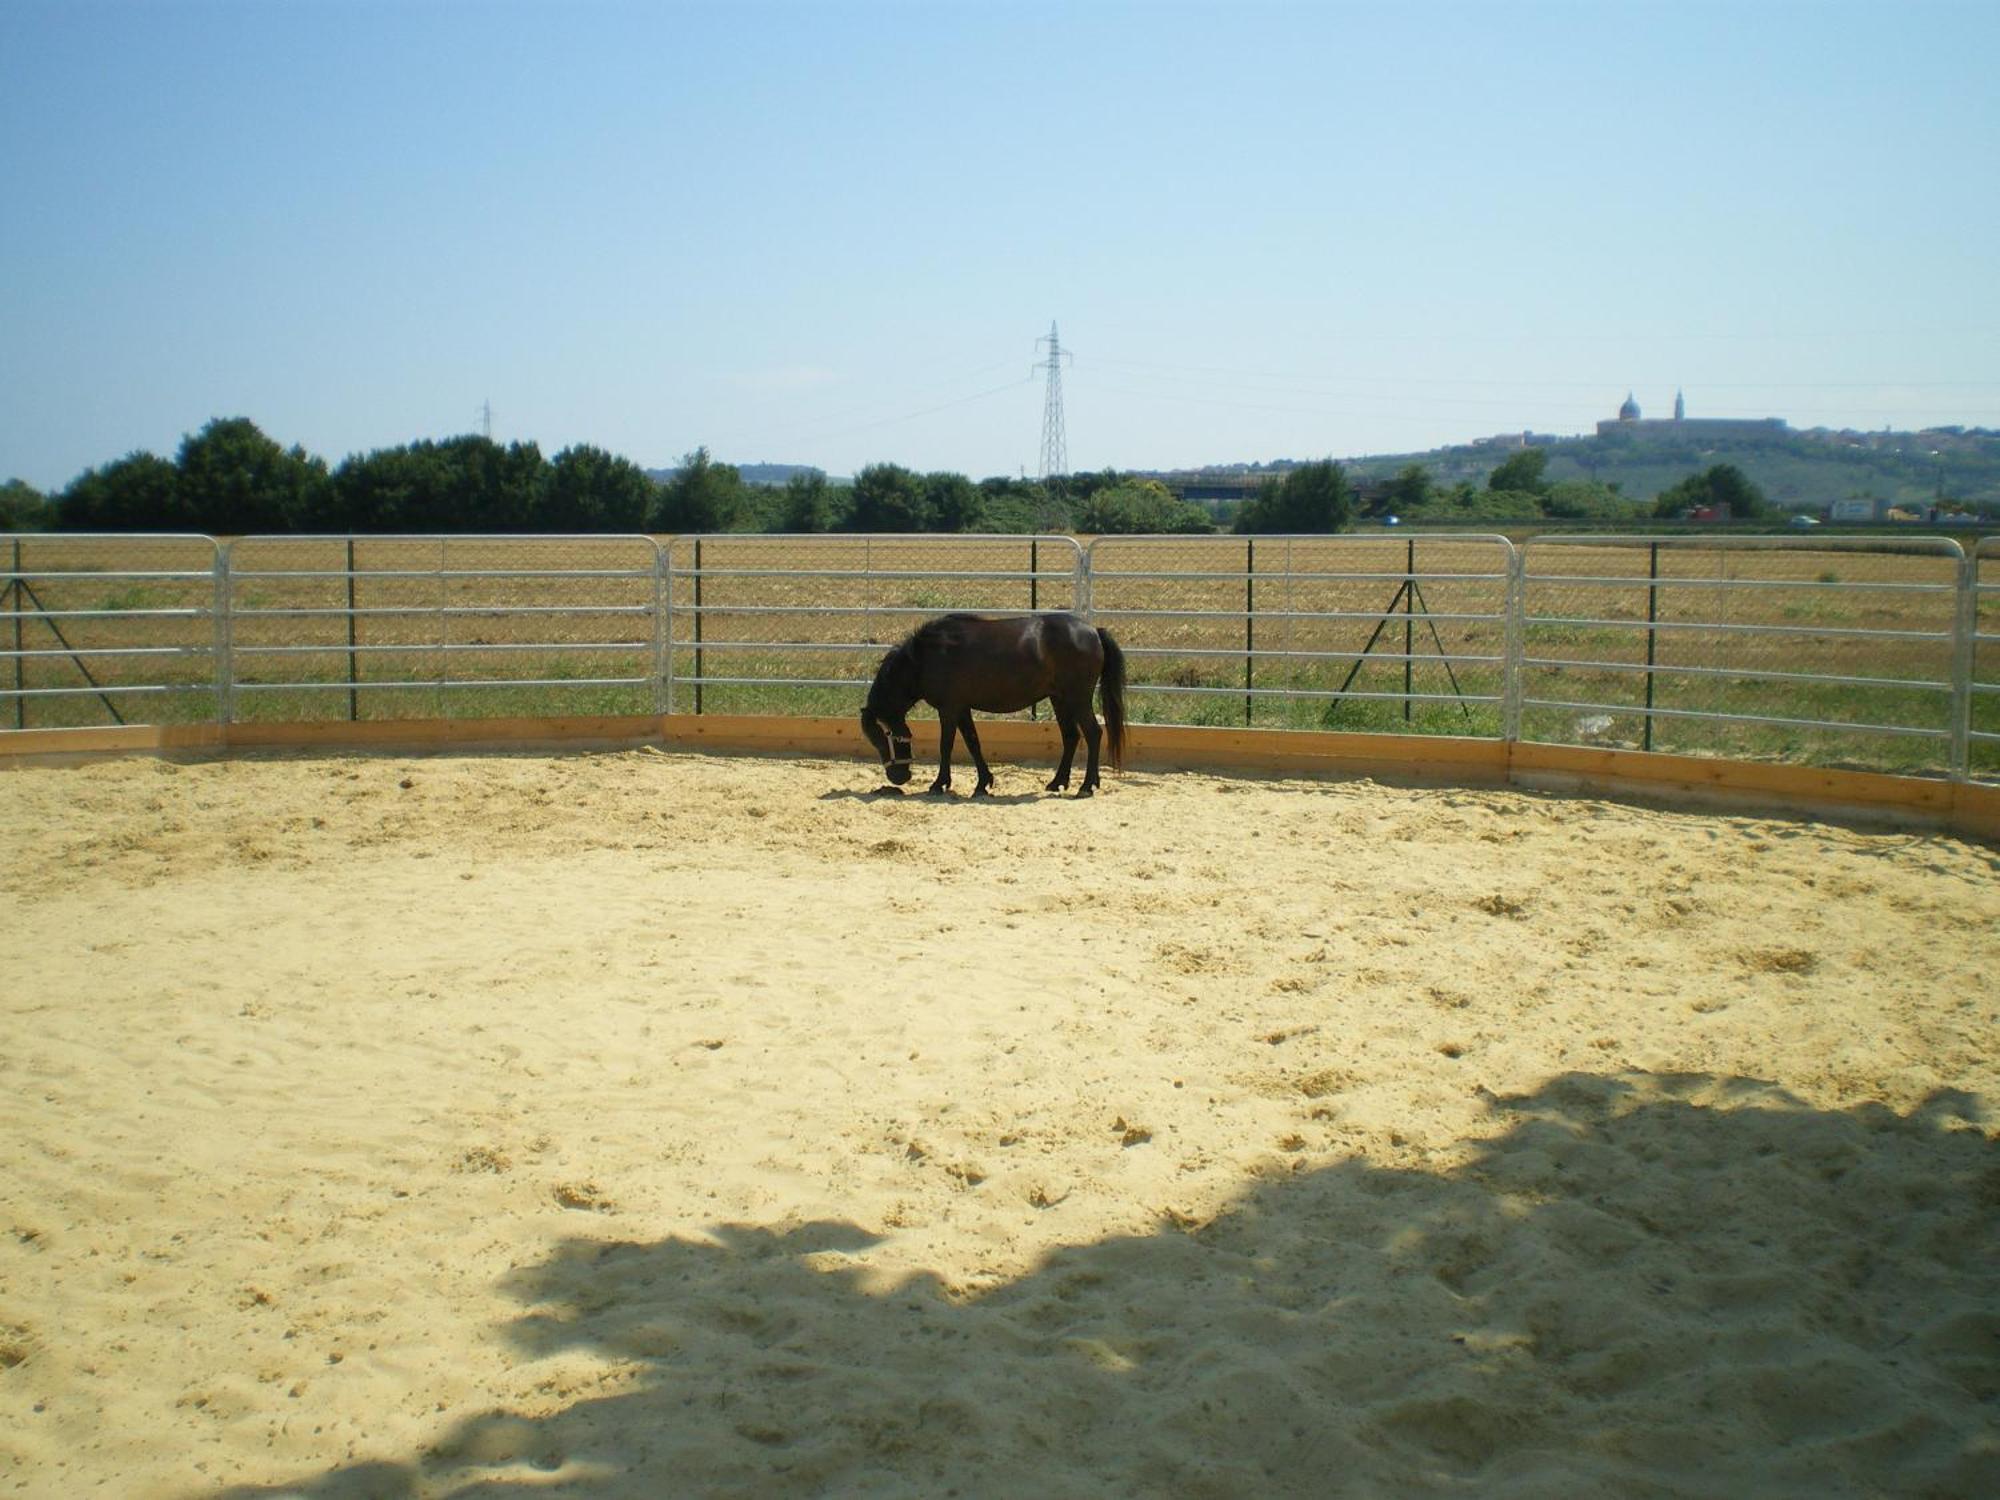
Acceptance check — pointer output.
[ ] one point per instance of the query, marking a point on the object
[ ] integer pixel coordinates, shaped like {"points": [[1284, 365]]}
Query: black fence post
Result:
{"points": [[1409, 623]]}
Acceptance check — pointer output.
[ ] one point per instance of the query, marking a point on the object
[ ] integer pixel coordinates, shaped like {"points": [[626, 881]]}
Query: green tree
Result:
{"points": [[1312, 497], [24, 508], [1722, 484], [140, 492], [235, 480], [1021, 506], [808, 503], [462, 484], [952, 503], [1584, 499], [702, 495], [1140, 506], [1522, 471], [888, 497], [382, 490], [1411, 490], [586, 489]]}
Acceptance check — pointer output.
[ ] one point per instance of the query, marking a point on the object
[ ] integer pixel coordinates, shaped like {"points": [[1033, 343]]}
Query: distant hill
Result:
{"points": [[1806, 470]]}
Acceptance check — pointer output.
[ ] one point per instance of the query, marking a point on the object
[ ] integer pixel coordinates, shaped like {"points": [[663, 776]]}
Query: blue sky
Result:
{"points": [[831, 233]]}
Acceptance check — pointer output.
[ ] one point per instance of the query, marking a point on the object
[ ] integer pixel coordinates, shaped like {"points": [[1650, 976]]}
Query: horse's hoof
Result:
{"points": [[982, 791], [1085, 791], [940, 790], [1056, 786]]}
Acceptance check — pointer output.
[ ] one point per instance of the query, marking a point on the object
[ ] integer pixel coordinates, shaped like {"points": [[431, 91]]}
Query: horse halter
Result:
{"points": [[899, 750]]}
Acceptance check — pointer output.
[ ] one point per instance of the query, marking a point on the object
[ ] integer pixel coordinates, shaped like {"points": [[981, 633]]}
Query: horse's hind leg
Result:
{"points": [[1066, 721], [965, 728], [947, 728], [1093, 734]]}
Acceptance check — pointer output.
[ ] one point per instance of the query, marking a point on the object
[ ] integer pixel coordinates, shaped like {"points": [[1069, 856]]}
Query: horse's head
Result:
{"points": [[883, 718], [891, 739]]}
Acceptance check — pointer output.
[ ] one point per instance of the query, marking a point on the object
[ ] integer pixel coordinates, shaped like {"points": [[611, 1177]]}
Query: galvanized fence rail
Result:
{"points": [[1870, 652]]}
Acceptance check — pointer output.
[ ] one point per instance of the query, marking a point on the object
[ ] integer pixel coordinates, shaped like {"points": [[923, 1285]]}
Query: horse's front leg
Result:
{"points": [[947, 729], [965, 728]]}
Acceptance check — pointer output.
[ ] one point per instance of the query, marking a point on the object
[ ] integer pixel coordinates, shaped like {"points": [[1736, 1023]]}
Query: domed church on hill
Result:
{"points": [[1629, 422]]}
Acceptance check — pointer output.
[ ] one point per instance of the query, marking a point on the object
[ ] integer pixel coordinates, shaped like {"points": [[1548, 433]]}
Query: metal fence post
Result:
{"points": [[1652, 621], [353, 672], [663, 699], [1034, 600], [665, 566], [1249, 623], [17, 596], [225, 664], [1514, 639], [699, 665], [1965, 629]]}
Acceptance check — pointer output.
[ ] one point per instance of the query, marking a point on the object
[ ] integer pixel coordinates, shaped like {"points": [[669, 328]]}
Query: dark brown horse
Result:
{"points": [[958, 663]]}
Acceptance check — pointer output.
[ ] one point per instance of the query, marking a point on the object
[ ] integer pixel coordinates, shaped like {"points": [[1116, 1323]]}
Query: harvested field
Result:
{"points": [[638, 1123]]}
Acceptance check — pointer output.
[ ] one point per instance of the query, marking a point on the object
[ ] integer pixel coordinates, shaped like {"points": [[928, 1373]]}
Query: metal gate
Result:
{"points": [[1835, 651], [388, 627], [109, 630]]}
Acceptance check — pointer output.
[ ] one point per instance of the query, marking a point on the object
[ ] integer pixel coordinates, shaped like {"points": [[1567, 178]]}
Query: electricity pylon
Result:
{"points": [[1055, 449]]}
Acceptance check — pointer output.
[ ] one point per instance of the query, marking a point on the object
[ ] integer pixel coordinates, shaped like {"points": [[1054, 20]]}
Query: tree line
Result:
{"points": [[230, 479], [1519, 491]]}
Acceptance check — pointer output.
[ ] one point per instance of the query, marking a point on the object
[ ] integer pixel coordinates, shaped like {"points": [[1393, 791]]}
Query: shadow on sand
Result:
{"points": [[1639, 1285]]}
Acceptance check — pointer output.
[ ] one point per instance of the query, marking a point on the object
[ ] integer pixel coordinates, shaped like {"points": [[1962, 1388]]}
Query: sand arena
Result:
{"points": [[644, 1123]]}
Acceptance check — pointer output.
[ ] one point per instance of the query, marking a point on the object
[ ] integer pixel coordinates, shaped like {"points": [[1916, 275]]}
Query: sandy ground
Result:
{"points": [[638, 1124]]}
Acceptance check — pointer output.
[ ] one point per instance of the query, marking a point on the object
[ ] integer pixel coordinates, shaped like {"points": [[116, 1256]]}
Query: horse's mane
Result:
{"points": [[945, 630], [900, 665]]}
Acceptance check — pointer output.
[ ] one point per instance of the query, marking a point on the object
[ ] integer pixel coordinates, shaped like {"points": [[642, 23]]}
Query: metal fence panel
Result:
{"points": [[1404, 633], [1882, 653], [386, 627], [797, 624], [99, 630], [1982, 661], [1836, 651]]}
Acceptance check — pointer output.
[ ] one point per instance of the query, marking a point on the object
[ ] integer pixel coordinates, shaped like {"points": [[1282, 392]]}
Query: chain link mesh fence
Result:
{"points": [[1398, 633], [798, 624], [442, 627], [106, 630], [1835, 652]]}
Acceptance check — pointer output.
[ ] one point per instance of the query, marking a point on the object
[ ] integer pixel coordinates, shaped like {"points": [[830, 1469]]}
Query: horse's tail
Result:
{"points": [[1111, 688]]}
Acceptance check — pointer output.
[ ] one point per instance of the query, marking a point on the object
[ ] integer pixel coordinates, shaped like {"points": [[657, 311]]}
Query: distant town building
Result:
{"points": [[1522, 439], [1630, 423]]}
